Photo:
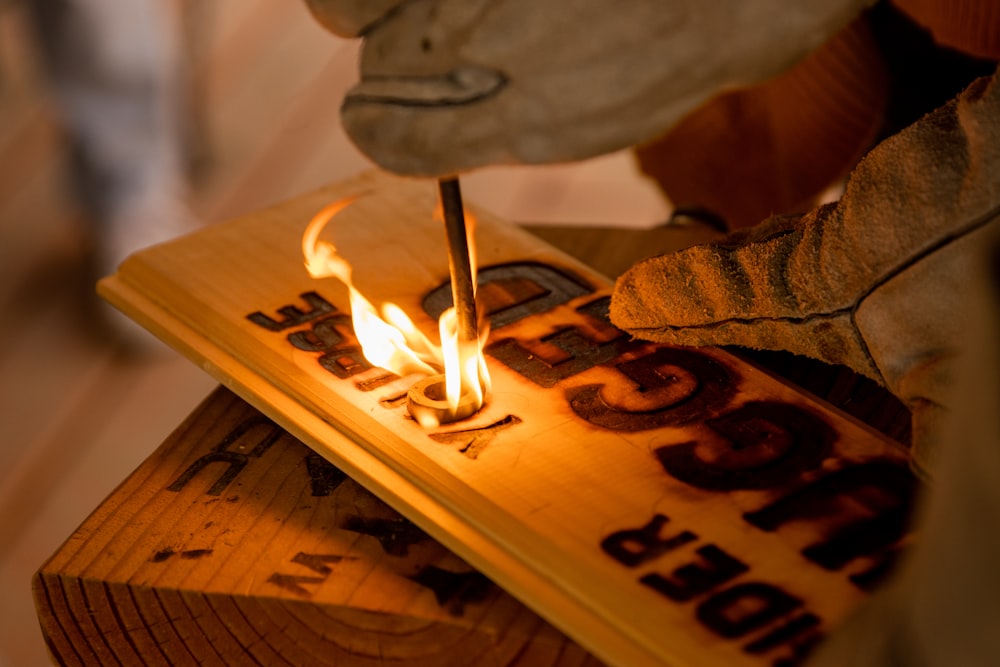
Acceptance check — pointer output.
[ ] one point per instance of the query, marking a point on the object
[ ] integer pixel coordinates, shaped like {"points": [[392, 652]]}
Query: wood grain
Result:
{"points": [[288, 562], [659, 506]]}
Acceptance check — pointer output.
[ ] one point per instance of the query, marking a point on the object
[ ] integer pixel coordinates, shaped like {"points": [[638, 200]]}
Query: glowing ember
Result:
{"points": [[391, 341]]}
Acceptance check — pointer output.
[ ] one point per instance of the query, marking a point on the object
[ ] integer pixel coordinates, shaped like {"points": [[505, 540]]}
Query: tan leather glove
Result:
{"points": [[449, 85], [939, 608], [872, 282]]}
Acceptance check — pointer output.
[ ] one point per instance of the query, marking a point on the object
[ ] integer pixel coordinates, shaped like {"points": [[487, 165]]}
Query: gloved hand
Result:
{"points": [[873, 281], [935, 609], [449, 85]]}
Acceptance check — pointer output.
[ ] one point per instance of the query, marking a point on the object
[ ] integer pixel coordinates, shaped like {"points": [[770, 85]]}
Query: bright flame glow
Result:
{"points": [[390, 340]]}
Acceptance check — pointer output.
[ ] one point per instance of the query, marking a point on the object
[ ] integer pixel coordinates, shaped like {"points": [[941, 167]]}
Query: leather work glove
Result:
{"points": [[941, 604], [873, 281], [450, 85]]}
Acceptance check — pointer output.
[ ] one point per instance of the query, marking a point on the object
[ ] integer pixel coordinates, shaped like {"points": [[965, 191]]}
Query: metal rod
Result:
{"points": [[463, 291]]}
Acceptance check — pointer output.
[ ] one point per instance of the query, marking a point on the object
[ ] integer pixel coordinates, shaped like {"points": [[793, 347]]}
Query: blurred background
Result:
{"points": [[84, 398]]}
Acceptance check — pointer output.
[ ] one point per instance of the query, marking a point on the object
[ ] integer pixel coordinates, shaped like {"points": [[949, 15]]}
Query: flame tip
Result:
{"points": [[391, 340]]}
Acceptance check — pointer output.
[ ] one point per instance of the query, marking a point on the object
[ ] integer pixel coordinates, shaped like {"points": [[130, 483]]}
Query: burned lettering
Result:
{"points": [[689, 581], [324, 477], [512, 292], [395, 535], [743, 608], [235, 460], [294, 583], [345, 362], [799, 633], [293, 315], [668, 387], [472, 442], [638, 545], [759, 445], [881, 489], [324, 335], [557, 356], [317, 563]]}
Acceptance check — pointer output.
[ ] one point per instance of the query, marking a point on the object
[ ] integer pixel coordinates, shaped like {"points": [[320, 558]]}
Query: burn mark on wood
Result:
{"points": [[599, 309], [635, 546], [869, 579], [473, 441], [235, 460], [345, 362], [598, 315], [743, 608], [393, 402], [759, 445], [454, 590], [376, 382], [800, 649], [859, 539], [162, 555], [318, 563], [324, 477], [557, 356], [568, 351], [671, 386], [294, 316], [342, 356], [694, 579], [324, 335], [500, 294], [512, 292], [785, 633], [294, 583], [395, 535], [883, 488], [189, 554], [730, 613]]}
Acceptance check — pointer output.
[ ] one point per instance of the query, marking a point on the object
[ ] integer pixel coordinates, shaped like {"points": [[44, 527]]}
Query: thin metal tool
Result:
{"points": [[463, 289]]}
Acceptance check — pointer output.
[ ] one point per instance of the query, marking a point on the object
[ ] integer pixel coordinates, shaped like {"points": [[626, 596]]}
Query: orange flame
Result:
{"points": [[391, 340]]}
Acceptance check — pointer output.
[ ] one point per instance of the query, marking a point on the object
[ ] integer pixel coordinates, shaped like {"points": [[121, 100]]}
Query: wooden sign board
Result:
{"points": [[661, 506]]}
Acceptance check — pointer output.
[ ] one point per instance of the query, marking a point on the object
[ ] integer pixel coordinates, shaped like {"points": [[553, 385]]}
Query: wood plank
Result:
{"points": [[660, 506], [286, 562]]}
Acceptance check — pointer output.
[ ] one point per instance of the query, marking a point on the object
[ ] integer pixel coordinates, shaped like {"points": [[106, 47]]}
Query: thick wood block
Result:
{"points": [[658, 505], [234, 543]]}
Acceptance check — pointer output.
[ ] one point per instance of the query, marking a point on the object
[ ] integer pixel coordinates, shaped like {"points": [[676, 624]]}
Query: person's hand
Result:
{"points": [[450, 85], [932, 609], [874, 282]]}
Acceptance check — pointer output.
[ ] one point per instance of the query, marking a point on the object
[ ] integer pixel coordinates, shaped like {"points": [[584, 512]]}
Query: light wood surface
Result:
{"points": [[660, 507]]}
